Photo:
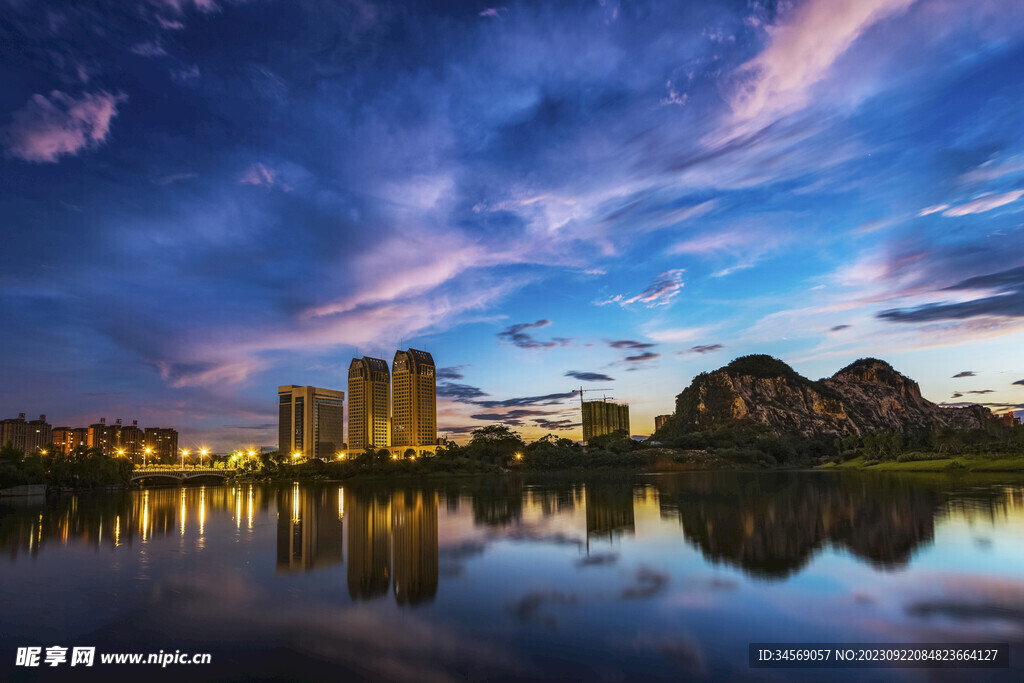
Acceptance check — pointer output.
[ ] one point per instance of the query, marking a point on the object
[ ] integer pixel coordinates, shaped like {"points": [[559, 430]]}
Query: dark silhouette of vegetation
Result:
{"points": [[82, 468]]}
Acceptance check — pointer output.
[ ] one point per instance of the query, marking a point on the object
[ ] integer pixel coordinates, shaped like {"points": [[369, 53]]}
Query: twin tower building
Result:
{"points": [[392, 408]]}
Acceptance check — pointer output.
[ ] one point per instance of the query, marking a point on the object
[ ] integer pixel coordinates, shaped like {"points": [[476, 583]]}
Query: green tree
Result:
{"points": [[495, 443]]}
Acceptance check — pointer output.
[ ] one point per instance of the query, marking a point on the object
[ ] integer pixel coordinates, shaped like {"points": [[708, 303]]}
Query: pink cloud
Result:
{"points": [[983, 204], [661, 292], [259, 175], [48, 128], [801, 51]]}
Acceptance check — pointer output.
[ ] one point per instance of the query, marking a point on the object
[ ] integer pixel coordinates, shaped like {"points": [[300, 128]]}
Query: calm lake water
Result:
{"points": [[619, 578]]}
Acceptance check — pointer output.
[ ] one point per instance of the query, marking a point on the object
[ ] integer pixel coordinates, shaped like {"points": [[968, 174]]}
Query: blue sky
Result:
{"points": [[204, 199]]}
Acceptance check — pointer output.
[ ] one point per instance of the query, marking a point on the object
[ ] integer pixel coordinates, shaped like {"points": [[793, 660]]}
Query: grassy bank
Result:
{"points": [[935, 462]]}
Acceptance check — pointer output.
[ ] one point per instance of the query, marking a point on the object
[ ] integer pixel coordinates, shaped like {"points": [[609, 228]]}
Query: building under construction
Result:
{"points": [[604, 417]]}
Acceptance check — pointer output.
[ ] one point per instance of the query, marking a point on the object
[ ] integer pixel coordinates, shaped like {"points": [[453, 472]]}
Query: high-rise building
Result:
{"points": [[67, 439], [414, 399], [28, 437], [163, 441], [604, 417], [311, 421], [369, 400], [104, 437], [131, 440]]}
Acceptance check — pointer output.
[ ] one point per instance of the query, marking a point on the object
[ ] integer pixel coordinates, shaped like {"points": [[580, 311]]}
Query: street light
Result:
{"points": [[145, 457], [184, 452], [202, 454]]}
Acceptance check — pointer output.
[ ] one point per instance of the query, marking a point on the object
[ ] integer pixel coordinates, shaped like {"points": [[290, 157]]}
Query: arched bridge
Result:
{"points": [[178, 475]]}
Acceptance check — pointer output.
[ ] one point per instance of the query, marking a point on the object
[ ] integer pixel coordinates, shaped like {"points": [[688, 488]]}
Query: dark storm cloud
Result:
{"points": [[965, 373], [463, 393], [1020, 382], [1007, 301], [709, 348], [642, 357], [589, 376], [545, 400], [517, 414], [630, 344]]}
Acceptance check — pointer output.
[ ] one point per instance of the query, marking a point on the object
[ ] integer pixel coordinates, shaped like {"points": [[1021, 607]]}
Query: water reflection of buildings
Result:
{"points": [[392, 536], [609, 511], [309, 533], [112, 519]]}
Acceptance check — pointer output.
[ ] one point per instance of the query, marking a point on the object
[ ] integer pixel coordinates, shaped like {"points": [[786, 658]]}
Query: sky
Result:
{"points": [[204, 199]]}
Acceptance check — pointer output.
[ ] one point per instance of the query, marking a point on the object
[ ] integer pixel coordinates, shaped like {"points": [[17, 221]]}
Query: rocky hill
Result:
{"points": [[865, 397]]}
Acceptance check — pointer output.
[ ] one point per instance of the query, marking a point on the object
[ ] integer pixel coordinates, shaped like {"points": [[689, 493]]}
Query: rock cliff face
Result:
{"points": [[864, 397]]}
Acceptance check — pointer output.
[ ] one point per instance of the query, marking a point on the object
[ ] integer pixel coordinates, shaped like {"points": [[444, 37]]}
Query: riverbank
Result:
{"points": [[935, 462], [647, 460]]}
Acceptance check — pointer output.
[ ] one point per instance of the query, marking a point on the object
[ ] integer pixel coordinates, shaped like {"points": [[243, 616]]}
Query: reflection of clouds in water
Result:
{"points": [[531, 606], [648, 583], [598, 560], [944, 606], [394, 646]]}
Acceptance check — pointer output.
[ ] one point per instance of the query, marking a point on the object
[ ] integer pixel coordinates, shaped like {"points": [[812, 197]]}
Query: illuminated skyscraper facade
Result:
{"points": [[414, 399], [311, 421], [369, 402]]}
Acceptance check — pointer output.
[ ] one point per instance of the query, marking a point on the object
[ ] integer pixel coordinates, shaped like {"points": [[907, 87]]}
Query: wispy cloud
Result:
{"points": [[965, 373], [645, 356], [260, 175], [589, 376], [48, 128], [983, 204], [630, 344], [802, 48], [515, 335], [659, 293]]}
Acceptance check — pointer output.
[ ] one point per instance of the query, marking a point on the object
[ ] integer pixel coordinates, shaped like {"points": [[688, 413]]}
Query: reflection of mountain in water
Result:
{"points": [[402, 524], [113, 518], [309, 529], [771, 524]]}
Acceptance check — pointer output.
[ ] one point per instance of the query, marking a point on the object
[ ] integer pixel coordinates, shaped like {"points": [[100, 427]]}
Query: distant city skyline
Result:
{"points": [[204, 201]]}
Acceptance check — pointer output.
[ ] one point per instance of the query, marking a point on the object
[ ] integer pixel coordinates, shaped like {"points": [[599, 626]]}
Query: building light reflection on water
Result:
{"points": [[341, 503], [117, 531], [202, 510], [145, 515], [238, 508], [182, 514], [250, 506]]}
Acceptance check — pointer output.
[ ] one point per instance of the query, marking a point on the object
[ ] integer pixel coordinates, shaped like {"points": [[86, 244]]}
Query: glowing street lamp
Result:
{"points": [[252, 453], [202, 454], [145, 457], [184, 452], [296, 455]]}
